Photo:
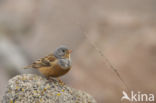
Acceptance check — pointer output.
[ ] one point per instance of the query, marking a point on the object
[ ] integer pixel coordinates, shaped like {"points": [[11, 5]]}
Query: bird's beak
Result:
{"points": [[70, 51]]}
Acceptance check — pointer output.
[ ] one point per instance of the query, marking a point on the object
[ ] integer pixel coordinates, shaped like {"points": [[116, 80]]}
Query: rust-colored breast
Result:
{"points": [[54, 71]]}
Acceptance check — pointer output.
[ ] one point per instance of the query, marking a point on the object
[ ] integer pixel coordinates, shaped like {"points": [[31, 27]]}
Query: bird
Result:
{"points": [[55, 64]]}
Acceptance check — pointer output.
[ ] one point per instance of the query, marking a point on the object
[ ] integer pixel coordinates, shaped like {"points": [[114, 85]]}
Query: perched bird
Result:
{"points": [[54, 65]]}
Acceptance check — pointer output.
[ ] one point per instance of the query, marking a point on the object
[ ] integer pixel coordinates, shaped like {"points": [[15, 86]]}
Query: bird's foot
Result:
{"points": [[60, 82]]}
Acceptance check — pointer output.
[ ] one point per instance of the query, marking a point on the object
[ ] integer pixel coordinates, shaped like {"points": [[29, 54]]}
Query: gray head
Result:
{"points": [[62, 52]]}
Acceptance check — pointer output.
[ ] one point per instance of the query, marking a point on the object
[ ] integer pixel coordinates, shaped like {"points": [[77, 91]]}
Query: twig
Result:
{"points": [[107, 61]]}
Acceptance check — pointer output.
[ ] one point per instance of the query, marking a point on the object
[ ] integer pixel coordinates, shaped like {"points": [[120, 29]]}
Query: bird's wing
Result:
{"points": [[43, 62]]}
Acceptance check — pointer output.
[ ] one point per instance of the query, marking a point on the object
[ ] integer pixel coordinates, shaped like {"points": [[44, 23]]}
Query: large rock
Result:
{"points": [[30, 88]]}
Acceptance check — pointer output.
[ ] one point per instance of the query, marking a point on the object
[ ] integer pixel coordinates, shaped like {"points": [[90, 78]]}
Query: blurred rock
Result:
{"points": [[29, 88], [4, 78], [12, 57]]}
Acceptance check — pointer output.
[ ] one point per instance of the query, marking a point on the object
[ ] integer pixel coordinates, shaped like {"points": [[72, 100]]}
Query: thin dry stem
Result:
{"points": [[107, 61]]}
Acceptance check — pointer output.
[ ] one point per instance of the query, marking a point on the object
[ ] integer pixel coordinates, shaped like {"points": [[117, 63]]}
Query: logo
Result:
{"points": [[137, 97]]}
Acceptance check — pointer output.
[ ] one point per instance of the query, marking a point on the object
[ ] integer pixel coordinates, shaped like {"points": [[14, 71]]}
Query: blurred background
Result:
{"points": [[124, 30]]}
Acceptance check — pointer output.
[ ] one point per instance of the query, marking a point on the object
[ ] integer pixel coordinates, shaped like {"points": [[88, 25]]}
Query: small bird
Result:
{"points": [[54, 65]]}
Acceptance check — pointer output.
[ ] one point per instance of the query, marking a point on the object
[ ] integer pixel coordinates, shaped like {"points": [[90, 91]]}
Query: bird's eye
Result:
{"points": [[63, 50]]}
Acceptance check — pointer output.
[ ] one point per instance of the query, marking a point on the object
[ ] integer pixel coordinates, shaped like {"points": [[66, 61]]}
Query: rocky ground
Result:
{"points": [[29, 88]]}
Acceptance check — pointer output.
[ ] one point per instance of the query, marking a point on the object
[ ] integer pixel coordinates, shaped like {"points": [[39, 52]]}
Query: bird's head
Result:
{"points": [[62, 52]]}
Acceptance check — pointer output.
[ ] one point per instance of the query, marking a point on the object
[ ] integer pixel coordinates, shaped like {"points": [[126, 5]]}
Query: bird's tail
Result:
{"points": [[28, 67]]}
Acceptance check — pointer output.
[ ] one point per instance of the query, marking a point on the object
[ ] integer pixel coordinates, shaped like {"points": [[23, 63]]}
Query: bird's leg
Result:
{"points": [[60, 81]]}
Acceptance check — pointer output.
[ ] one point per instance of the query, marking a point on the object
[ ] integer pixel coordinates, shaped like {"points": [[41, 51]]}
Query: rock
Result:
{"points": [[30, 88]]}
